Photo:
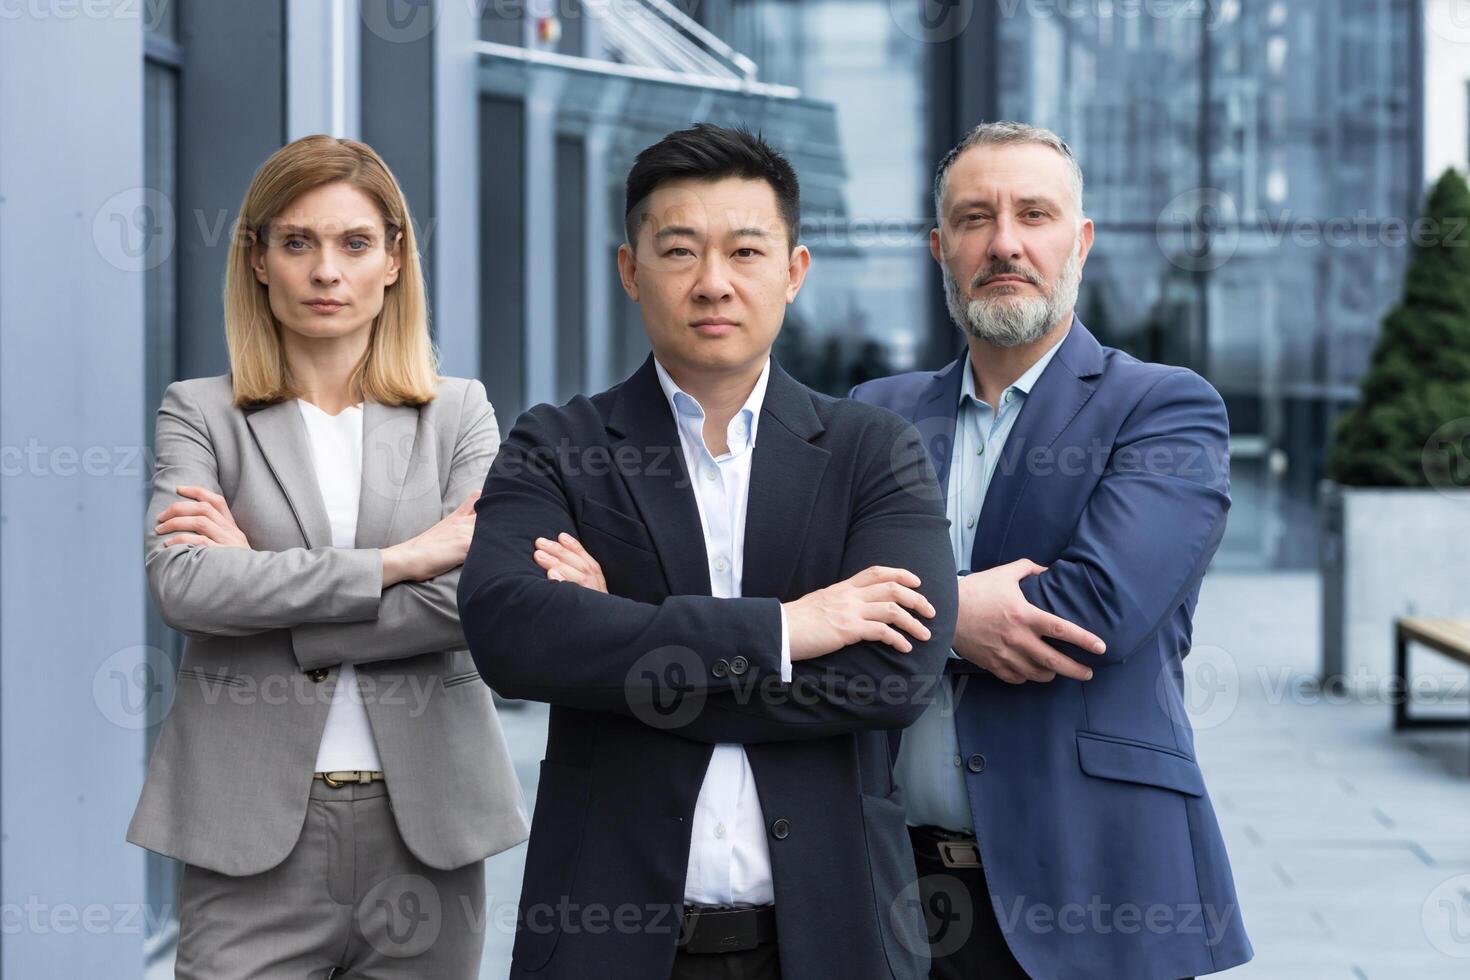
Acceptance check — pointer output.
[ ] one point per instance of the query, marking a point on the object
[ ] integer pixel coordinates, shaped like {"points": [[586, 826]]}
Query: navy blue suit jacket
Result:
{"points": [[1090, 808], [644, 681]]}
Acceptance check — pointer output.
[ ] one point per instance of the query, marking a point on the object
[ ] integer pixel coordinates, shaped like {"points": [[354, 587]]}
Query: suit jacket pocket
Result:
{"points": [[1127, 760], [895, 886], [616, 524], [551, 860]]}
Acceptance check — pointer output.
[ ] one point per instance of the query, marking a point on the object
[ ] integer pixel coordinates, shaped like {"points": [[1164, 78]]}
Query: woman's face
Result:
{"points": [[326, 262]]}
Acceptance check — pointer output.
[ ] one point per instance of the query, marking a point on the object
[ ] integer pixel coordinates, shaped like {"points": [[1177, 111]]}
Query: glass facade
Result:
{"points": [[1249, 168]]}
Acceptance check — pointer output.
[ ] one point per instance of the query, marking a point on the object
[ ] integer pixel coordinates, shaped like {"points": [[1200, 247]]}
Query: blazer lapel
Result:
{"points": [[660, 487], [786, 472], [391, 469], [935, 414], [1059, 394], [280, 432]]}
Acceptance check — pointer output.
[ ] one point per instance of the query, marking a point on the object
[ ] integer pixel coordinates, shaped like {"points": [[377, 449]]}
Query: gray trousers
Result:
{"points": [[349, 902]]}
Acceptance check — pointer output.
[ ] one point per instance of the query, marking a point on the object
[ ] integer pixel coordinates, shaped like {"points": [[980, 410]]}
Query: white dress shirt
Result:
{"points": [[729, 857], [336, 455]]}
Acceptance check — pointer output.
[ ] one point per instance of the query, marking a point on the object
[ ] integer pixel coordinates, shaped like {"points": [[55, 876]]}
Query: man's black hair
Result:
{"points": [[707, 152]]}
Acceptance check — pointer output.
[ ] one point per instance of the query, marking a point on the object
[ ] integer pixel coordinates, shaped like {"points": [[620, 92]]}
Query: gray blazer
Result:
{"points": [[266, 627]]}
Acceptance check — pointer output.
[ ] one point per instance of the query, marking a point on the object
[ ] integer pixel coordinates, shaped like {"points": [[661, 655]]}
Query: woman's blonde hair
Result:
{"points": [[400, 366]]}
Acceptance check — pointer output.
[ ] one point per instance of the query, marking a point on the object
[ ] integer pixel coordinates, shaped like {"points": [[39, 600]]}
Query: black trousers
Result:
{"points": [[965, 938], [759, 963]]}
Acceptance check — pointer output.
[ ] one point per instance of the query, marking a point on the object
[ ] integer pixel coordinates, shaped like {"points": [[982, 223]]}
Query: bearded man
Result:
{"points": [[1059, 818]]}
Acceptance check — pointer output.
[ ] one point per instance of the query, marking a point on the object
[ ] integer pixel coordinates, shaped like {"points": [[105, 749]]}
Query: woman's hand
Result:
{"points": [[440, 549], [565, 560], [204, 519]]}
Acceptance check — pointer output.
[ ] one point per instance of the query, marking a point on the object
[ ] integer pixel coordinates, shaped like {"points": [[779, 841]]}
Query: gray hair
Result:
{"points": [[1006, 134]]}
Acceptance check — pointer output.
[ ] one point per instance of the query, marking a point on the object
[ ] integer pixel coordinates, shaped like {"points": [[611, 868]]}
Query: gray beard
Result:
{"points": [[1010, 322]]}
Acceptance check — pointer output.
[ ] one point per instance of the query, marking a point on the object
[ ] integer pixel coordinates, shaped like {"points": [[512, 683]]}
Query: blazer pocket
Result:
{"points": [[1130, 761], [455, 680], [615, 524]]}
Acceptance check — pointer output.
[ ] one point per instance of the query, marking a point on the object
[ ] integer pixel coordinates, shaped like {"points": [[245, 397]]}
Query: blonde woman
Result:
{"points": [[332, 772]]}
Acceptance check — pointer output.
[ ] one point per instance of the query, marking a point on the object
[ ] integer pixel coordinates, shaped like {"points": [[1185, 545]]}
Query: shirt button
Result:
{"points": [[970, 523], [958, 761], [981, 450], [721, 565], [719, 830], [1010, 396], [709, 474]]}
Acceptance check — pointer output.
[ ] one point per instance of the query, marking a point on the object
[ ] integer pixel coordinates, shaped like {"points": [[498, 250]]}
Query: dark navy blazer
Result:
{"points": [[644, 681], [1100, 845]]}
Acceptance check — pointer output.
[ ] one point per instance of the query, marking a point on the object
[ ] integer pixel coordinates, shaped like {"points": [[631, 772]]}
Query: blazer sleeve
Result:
{"points": [[897, 522], [558, 642], [414, 617], [1152, 524], [541, 640], [206, 591]]}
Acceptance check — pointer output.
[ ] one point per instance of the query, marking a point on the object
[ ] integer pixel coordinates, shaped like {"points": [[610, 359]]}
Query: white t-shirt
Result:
{"points": [[336, 454]]}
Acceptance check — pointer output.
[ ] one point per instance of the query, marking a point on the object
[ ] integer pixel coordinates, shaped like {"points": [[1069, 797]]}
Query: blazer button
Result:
{"points": [[318, 675], [739, 665], [780, 829], [977, 763], [720, 667]]}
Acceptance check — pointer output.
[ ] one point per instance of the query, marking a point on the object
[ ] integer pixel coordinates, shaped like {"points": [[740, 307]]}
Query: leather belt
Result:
{"points": [[341, 777], [716, 929], [955, 850]]}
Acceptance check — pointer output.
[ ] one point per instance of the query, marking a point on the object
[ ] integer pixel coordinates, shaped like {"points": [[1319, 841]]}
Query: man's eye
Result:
{"points": [[746, 253], [972, 218], [678, 251], [1038, 215]]}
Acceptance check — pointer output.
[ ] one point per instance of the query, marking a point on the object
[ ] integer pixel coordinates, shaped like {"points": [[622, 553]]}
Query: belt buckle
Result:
{"points": [[334, 783], [959, 854]]}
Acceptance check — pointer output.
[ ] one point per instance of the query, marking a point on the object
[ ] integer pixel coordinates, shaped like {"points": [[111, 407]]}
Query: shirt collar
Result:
{"points": [[687, 407], [1023, 384]]}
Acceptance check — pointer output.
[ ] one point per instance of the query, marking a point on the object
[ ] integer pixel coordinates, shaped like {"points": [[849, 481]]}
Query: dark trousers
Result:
{"points": [[965, 939], [759, 963]]}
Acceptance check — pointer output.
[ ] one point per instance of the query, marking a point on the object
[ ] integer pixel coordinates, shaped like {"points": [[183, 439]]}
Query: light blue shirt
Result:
{"points": [[929, 766]]}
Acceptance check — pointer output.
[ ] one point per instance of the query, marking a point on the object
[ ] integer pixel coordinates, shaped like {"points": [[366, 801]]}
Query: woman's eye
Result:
{"points": [[352, 245], [294, 241]]}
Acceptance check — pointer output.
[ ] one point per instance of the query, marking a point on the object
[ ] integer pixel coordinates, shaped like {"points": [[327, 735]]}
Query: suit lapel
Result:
{"points": [[935, 414], [786, 472], [1058, 395], [280, 432], [643, 420], [389, 463]]}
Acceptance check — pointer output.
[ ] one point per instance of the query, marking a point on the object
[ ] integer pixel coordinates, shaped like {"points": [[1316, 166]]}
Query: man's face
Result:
{"points": [[713, 272], [326, 263], [1011, 242]]}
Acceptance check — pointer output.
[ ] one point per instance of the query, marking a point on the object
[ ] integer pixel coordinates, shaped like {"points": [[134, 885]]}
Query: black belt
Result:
{"points": [[716, 929], [954, 849]]}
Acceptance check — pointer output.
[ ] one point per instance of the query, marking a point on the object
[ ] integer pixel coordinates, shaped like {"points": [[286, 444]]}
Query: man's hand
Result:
{"points": [[565, 560], [866, 607], [204, 519], [1001, 632]]}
